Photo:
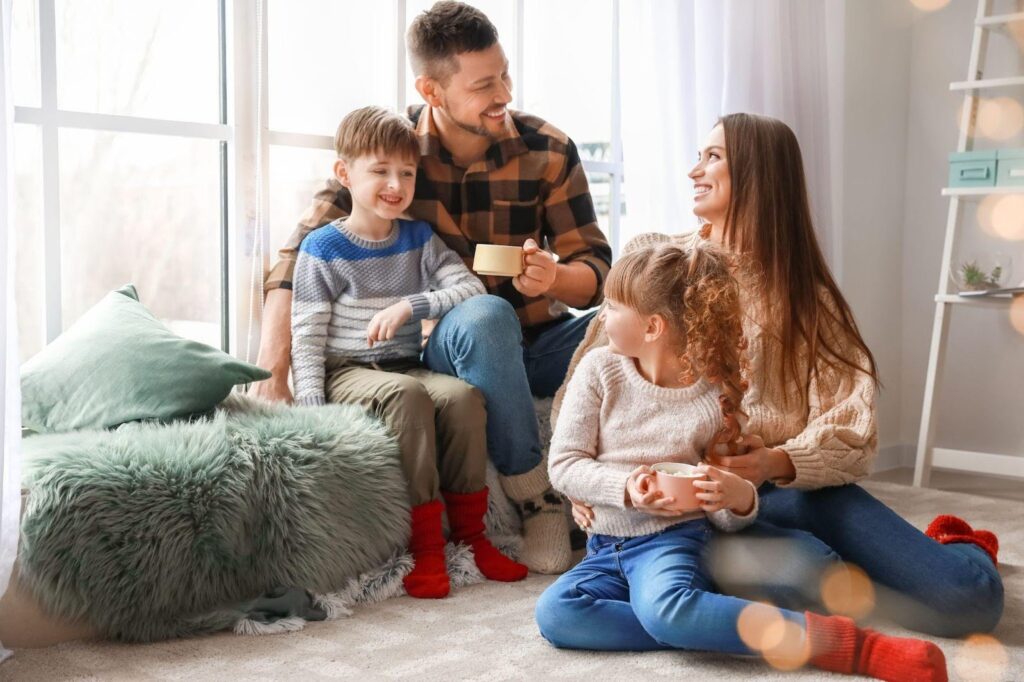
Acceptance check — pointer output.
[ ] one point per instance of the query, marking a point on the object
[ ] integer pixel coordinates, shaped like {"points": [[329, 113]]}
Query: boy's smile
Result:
{"points": [[382, 187]]}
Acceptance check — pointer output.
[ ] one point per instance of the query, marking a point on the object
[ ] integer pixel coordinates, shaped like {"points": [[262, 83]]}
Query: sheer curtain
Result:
{"points": [[685, 63], [10, 404]]}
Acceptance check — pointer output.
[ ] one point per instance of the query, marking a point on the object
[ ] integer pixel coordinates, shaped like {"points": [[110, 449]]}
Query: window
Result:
{"points": [[120, 150], [138, 159]]}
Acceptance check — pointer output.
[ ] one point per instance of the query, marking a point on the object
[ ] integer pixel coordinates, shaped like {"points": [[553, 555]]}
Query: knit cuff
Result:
{"points": [[809, 464], [521, 487], [730, 522], [310, 400], [613, 489], [420, 307]]}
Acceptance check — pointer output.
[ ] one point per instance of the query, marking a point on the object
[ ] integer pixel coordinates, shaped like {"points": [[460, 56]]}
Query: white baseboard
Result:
{"points": [[903, 455], [898, 456]]}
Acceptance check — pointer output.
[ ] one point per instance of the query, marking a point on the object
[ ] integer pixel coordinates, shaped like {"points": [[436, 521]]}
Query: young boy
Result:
{"points": [[362, 286]]}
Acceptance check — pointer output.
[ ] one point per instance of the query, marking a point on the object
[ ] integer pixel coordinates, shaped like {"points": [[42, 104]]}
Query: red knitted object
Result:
{"points": [[840, 646], [466, 517], [947, 529], [429, 576]]}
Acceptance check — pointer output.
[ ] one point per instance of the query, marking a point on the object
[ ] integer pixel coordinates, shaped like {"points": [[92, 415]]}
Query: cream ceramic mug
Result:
{"points": [[675, 480], [495, 259]]}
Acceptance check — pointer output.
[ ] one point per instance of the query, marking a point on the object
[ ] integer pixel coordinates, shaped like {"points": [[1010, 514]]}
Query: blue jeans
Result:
{"points": [[945, 590], [652, 592], [481, 342]]}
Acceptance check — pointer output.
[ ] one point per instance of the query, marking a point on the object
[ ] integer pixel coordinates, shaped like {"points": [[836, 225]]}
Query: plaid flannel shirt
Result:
{"points": [[530, 184]]}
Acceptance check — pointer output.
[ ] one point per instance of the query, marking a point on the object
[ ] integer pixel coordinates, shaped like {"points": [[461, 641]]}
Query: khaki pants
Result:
{"points": [[440, 421]]}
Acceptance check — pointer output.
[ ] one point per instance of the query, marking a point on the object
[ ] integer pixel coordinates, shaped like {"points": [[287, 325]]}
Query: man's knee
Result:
{"points": [[491, 316]]}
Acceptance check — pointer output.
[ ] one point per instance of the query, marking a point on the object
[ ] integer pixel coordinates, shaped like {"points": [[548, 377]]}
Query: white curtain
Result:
{"points": [[686, 62], [10, 404]]}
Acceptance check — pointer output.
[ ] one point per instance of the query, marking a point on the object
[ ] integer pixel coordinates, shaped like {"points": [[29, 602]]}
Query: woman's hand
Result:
{"points": [[582, 513], [724, 490], [760, 464], [641, 497]]}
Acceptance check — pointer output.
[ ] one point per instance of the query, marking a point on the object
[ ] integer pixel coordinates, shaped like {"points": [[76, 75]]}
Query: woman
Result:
{"points": [[812, 430]]}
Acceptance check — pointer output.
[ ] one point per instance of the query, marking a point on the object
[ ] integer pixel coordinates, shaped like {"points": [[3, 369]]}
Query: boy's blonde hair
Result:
{"points": [[375, 129]]}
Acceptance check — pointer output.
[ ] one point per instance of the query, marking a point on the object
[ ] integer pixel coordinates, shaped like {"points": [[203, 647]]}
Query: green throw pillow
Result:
{"points": [[118, 364]]}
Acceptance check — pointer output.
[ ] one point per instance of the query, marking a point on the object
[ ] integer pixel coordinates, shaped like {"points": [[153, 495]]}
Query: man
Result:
{"points": [[486, 175]]}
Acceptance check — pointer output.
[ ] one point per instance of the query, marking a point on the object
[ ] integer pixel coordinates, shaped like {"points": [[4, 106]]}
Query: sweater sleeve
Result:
{"points": [[450, 280], [841, 437], [315, 288], [729, 521], [572, 459]]}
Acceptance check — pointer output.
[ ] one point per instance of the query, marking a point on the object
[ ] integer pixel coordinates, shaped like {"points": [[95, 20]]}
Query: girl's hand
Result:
{"points": [[387, 322], [724, 490], [759, 464], [582, 513], [640, 496]]}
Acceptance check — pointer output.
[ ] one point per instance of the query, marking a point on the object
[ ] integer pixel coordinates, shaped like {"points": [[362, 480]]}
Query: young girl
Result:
{"points": [[657, 393]]}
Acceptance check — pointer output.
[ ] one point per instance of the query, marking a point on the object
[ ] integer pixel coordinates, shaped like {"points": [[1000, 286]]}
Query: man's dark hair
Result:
{"points": [[443, 31]]}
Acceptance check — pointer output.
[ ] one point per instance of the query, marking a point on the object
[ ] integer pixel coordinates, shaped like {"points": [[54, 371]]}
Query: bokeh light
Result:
{"points": [[761, 626], [965, 105], [1000, 118], [1017, 313], [846, 590], [1016, 29], [1008, 217], [792, 652], [985, 208], [929, 5], [981, 658]]}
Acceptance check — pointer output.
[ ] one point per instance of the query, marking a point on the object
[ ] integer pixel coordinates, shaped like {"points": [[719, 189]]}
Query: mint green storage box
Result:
{"points": [[972, 169], [1010, 167]]}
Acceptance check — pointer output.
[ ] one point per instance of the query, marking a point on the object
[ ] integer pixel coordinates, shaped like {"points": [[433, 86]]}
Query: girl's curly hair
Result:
{"points": [[695, 292]]}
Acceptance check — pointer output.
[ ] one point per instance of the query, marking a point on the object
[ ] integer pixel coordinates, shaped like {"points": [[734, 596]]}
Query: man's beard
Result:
{"points": [[475, 130]]}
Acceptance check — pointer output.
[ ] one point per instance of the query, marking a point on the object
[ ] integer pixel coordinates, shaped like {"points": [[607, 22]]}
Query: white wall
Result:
{"points": [[982, 393], [876, 81], [900, 125]]}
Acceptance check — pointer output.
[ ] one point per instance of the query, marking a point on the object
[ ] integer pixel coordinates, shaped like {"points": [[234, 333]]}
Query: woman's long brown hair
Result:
{"points": [[769, 221]]}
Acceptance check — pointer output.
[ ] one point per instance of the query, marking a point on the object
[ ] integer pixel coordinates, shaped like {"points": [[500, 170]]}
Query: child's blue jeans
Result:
{"points": [[653, 592]]}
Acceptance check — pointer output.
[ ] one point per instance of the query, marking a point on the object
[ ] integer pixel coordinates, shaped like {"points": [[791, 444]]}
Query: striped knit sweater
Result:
{"points": [[342, 280]]}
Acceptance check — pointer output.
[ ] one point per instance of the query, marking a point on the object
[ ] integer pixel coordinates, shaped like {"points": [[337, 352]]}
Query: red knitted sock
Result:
{"points": [[838, 645], [466, 518], [429, 576], [947, 529]]}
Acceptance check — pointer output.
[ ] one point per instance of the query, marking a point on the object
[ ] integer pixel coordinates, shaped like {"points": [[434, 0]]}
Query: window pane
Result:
{"points": [[157, 59], [25, 53], [296, 174], [28, 227], [326, 58], [567, 65], [143, 209], [601, 192], [500, 12]]}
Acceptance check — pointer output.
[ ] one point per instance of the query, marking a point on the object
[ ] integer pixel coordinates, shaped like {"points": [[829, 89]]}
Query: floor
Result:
{"points": [[487, 631]]}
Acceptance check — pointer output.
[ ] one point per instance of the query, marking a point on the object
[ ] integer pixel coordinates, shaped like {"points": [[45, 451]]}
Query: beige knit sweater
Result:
{"points": [[828, 429], [614, 420]]}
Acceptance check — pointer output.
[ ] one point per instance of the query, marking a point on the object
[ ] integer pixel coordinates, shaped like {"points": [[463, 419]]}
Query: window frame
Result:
{"points": [[244, 138]]}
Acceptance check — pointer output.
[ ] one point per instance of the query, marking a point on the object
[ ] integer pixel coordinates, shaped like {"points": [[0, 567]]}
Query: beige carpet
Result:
{"points": [[487, 632]]}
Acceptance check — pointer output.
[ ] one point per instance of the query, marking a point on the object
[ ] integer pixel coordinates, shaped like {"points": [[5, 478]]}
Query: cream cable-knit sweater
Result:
{"points": [[829, 428], [614, 420]]}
